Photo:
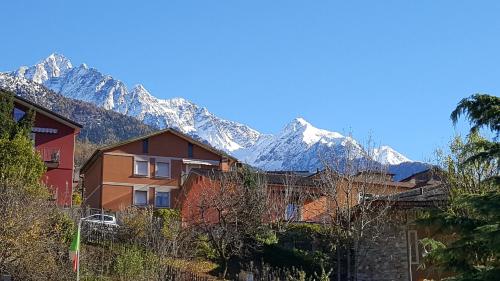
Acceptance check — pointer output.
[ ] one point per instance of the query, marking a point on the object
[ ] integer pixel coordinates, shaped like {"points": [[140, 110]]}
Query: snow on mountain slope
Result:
{"points": [[298, 146], [53, 66], [302, 146], [388, 156], [100, 126], [88, 84]]}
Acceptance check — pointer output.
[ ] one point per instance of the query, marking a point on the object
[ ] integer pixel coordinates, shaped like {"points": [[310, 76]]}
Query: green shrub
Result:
{"points": [[204, 249], [76, 198], [129, 263], [170, 222], [268, 237]]}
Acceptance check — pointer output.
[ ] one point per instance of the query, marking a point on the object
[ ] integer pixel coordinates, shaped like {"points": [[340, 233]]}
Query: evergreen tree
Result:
{"points": [[482, 111], [19, 163], [471, 221]]}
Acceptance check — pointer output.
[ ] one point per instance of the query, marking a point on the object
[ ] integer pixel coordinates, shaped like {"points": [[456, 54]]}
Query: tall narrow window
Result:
{"points": [[145, 146], [140, 197], [292, 212], [190, 150], [141, 167], [162, 169], [18, 114], [162, 199]]}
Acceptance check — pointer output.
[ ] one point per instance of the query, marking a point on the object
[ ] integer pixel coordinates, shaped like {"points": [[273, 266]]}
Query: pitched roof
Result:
{"points": [[48, 112], [270, 177], [170, 130], [385, 183], [423, 196], [433, 172]]}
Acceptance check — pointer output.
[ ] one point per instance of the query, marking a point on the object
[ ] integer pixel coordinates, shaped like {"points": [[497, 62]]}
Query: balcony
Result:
{"points": [[51, 156]]}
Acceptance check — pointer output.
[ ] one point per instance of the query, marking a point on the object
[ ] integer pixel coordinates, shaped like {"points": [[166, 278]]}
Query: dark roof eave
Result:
{"points": [[175, 132], [37, 107]]}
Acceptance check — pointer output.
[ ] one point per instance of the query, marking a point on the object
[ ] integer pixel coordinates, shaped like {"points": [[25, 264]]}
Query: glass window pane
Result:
{"points": [[140, 197], [141, 168], [162, 169], [163, 199], [292, 212], [18, 114]]}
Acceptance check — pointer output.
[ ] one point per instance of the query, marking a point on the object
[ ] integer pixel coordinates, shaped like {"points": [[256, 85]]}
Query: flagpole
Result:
{"points": [[78, 253]]}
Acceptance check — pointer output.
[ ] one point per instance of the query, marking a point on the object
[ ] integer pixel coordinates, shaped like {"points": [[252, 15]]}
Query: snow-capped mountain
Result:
{"points": [[53, 66], [88, 84], [299, 146], [100, 126], [388, 156]]}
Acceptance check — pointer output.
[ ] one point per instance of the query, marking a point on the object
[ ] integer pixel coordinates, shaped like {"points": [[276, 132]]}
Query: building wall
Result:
{"points": [[59, 179], [189, 199], [397, 254], [385, 258], [92, 182], [314, 210], [116, 197], [120, 168], [118, 178]]}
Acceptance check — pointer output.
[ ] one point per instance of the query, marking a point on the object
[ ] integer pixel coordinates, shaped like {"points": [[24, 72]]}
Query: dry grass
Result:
{"points": [[197, 266]]}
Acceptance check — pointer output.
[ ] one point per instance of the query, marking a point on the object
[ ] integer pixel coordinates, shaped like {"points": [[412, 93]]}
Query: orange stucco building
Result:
{"points": [[168, 169], [290, 197], [146, 171]]}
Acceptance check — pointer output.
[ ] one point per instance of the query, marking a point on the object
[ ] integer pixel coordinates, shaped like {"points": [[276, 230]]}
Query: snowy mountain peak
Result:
{"points": [[299, 145], [297, 124], [139, 91], [59, 59], [52, 66], [301, 121], [139, 88], [388, 156], [308, 133]]}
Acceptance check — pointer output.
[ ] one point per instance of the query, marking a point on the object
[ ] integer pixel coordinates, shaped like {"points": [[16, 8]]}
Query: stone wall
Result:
{"points": [[386, 257]]}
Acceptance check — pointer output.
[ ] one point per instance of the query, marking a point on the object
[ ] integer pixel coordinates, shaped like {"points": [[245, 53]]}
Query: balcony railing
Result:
{"points": [[51, 156]]}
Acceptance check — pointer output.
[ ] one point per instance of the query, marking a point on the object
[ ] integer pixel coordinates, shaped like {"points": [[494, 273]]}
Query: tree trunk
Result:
{"points": [[224, 273], [348, 258], [339, 275]]}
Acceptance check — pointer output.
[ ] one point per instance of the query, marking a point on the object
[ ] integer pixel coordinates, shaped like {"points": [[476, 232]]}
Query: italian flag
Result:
{"points": [[74, 250]]}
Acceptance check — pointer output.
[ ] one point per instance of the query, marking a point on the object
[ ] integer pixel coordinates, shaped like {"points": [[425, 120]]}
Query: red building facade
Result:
{"points": [[54, 138]]}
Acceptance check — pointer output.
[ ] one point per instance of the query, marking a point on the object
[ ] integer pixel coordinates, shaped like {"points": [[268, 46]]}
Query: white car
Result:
{"points": [[101, 219]]}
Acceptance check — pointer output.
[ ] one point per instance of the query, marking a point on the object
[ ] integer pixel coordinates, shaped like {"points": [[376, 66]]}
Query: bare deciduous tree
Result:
{"points": [[229, 212], [349, 183]]}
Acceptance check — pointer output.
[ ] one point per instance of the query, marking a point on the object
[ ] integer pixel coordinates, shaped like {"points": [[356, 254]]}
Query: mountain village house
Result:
{"points": [[293, 196], [168, 169], [146, 171], [54, 138]]}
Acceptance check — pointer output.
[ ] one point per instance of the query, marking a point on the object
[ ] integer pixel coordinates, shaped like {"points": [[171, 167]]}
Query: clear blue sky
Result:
{"points": [[393, 69]]}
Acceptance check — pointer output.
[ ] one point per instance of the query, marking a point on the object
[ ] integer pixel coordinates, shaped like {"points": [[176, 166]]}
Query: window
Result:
{"points": [[413, 246], [162, 169], [162, 199], [141, 167], [364, 197], [145, 146], [191, 166], [18, 114], [190, 150], [140, 197], [292, 212], [108, 218]]}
